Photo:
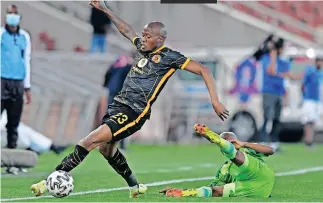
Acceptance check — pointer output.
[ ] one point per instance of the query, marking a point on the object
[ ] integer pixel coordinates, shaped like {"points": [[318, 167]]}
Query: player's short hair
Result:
{"points": [[226, 135], [160, 26]]}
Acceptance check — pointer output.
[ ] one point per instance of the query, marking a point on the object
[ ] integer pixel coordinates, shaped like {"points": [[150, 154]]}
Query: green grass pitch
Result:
{"points": [[154, 164]]}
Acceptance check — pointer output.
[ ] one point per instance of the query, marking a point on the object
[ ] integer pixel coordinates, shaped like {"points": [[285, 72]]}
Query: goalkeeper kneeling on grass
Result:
{"points": [[244, 175]]}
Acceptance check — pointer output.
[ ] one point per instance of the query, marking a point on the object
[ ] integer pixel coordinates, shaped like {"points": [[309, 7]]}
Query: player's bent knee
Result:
{"points": [[108, 150], [97, 137]]}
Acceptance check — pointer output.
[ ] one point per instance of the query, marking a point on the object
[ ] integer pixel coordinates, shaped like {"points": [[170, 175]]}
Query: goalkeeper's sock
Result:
{"points": [[204, 192], [227, 148], [120, 165], [73, 159]]}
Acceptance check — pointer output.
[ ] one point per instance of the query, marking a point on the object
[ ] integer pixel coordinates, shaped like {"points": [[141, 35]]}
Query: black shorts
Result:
{"points": [[123, 121]]}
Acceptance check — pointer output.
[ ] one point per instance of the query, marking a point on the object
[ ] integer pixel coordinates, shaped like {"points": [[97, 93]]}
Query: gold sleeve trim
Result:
{"points": [[185, 64]]}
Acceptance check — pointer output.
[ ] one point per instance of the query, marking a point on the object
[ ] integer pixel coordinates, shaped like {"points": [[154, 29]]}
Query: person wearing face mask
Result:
{"points": [[15, 72], [311, 88]]}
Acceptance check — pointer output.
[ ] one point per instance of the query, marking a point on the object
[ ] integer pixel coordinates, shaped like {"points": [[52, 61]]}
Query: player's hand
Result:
{"points": [[220, 110], [96, 4], [28, 96], [237, 143]]}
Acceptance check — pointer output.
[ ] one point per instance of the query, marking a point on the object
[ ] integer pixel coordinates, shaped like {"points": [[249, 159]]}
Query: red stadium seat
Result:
{"points": [[47, 40], [50, 45], [79, 48], [308, 12]]}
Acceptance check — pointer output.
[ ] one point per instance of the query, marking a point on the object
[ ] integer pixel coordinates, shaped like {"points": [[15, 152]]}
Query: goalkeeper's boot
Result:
{"points": [[137, 190], [175, 192], [204, 131], [189, 193], [39, 188]]}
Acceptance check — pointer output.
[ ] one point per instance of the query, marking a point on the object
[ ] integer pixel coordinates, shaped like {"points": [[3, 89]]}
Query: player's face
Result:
{"points": [[12, 10], [319, 63], [230, 139], [280, 51], [150, 39]]}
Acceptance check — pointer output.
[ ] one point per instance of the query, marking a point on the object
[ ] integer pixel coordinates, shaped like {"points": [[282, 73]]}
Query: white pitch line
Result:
{"points": [[301, 171], [289, 173]]}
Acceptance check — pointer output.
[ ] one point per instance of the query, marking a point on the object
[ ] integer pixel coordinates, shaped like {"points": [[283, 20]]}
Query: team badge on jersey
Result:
{"points": [[142, 62], [156, 58]]}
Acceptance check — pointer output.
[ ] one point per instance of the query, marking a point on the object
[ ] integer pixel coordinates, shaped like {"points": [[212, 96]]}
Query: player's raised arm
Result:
{"points": [[199, 69], [260, 148], [124, 28]]}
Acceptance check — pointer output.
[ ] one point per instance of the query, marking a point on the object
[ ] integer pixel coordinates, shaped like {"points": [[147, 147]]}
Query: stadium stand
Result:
{"points": [[66, 91], [299, 17], [305, 11]]}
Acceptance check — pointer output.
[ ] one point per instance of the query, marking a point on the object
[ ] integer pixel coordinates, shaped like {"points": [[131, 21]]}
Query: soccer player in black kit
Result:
{"points": [[154, 65]]}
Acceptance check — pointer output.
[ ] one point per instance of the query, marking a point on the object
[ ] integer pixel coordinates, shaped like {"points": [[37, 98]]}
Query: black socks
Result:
{"points": [[73, 159], [120, 165]]}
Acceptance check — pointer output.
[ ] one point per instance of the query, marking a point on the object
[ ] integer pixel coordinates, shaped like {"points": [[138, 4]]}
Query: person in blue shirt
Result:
{"points": [[15, 72], [275, 70], [311, 109]]}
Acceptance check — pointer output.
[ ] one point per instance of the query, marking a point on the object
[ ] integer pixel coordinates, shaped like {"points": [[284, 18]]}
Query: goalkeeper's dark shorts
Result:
{"points": [[122, 120]]}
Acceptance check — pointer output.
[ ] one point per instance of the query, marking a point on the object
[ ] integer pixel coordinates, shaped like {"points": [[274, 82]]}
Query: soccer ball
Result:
{"points": [[60, 184]]}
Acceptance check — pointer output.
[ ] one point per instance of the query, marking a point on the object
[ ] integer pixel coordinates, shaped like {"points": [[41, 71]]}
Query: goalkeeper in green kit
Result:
{"points": [[244, 175]]}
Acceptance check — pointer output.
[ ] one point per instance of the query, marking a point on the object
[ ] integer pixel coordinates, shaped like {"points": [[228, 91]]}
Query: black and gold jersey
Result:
{"points": [[148, 76]]}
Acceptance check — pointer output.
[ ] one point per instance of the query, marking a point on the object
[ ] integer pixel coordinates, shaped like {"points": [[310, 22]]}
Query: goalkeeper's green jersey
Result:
{"points": [[229, 172], [252, 179]]}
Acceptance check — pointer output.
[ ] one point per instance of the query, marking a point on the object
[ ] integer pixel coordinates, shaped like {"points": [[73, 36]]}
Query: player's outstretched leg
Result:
{"points": [[226, 147], [97, 137], [119, 163]]}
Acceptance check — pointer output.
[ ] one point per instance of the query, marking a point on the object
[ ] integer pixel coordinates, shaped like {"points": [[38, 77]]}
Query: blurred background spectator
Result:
{"points": [[273, 90], [114, 79], [311, 88], [15, 72], [275, 70], [101, 25], [116, 74]]}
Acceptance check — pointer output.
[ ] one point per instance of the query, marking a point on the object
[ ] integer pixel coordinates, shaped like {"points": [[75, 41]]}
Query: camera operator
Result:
{"points": [[275, 69]]}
